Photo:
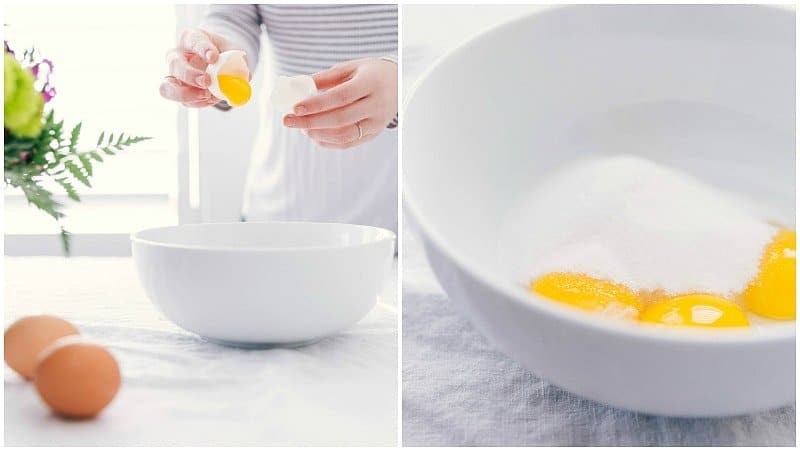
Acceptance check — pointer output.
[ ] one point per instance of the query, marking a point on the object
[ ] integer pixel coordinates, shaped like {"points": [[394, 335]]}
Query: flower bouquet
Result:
{"points": [[39, 148]]}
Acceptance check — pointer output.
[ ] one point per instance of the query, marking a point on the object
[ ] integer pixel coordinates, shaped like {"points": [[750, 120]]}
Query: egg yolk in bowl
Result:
{"points": [[771, 294], [702, 310], [589, 293]]}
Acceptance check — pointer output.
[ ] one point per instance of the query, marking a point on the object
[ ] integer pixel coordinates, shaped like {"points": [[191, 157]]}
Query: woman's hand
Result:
{"points": [[187, 81], [359, 100]]}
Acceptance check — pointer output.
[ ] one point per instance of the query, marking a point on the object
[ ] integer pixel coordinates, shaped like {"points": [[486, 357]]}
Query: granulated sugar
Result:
{"points": [[635, 222]]}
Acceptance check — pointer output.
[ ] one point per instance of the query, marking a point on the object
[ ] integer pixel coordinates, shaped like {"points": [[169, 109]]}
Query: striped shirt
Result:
{"points": [[309, 38], [290, 177]]}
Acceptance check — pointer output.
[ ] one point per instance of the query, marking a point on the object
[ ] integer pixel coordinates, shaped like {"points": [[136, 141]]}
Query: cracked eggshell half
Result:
{"points": [[230, 62], [290, 90]]}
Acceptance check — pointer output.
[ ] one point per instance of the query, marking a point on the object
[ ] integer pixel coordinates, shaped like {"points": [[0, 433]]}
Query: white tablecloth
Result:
{"points": [[180, 390], [459, 390]]}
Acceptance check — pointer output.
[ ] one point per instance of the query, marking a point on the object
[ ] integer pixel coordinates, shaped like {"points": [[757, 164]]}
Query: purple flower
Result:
{"points": [[48, 92], [40, 73], [46, 62]]}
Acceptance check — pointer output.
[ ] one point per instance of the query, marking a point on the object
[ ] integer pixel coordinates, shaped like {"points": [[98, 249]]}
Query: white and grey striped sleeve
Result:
{"points": [[308, 38], [239, 24]]}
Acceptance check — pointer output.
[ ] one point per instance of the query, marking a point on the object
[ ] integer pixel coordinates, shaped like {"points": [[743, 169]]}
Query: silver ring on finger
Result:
{"points": [[360, 132]]}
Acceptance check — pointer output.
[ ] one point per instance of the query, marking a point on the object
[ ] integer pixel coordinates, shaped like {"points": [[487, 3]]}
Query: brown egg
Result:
{"points": [[76, 378], [28, 336]]}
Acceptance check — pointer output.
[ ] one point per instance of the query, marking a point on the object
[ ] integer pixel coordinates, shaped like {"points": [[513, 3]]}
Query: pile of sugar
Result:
{"points": [[635, 222]]}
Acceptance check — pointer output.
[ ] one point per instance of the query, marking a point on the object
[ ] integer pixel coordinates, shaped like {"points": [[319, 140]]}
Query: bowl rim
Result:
{"points": [[778, 333], [383, 235]]}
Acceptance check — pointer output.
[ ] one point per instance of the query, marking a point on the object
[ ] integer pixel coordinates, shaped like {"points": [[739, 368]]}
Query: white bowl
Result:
{"points": [[706, 89], [264, 284]]}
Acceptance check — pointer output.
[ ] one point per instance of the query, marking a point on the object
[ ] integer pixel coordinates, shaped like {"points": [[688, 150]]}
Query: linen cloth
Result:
{"points": [[178, 389], [459, 390]]}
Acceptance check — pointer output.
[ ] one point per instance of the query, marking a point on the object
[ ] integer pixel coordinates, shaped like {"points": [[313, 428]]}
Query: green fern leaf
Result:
{"points": [[73, 138], [136, 139], [65, 241], [87, 164], [70, 190], [77, 173]]}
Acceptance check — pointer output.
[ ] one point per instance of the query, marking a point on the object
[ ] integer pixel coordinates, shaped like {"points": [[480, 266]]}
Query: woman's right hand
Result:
{"points": [[188, 81]]}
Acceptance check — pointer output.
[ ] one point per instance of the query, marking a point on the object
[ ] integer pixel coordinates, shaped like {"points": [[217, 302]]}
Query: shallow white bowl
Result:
{"points": [[263, 284], [706, 89]]}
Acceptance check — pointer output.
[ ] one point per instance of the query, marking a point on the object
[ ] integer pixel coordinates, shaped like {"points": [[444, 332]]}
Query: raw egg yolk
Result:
{"points": [[773, 292], [236, 89], [696, 310], [588, 293]]}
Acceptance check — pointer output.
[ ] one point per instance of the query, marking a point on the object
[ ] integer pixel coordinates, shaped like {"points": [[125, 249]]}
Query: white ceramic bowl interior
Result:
{"points": [[706, 89], [262, 284]]}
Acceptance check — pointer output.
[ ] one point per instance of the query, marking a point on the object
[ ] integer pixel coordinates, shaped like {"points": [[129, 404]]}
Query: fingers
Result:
{"points": [[196, 61], [329, 78], [188, 81], [336, 97], [201, 44], [173, 89], [184, 69], [349, 145], [339, 117], [201, 103], [346, 134]]}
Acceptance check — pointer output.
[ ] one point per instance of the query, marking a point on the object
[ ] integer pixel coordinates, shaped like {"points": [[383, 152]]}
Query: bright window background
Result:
{"points": [[108, 64]]}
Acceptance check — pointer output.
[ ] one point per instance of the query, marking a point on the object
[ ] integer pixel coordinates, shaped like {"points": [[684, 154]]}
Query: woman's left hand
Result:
{"points": [[359, 100]]}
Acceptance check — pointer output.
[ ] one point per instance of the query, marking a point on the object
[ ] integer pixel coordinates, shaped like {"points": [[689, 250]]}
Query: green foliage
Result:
{"points": [[54, 155]]}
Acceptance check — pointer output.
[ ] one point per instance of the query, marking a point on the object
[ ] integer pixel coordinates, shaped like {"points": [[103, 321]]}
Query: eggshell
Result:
{"points": [[28, 336], [231, 62], [290, 90], [76, 378]]}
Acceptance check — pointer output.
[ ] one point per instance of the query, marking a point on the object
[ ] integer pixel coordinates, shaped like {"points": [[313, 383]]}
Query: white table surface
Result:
{"points": [[458, 389], [180, 390]]}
